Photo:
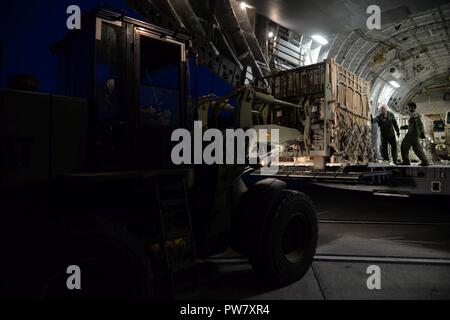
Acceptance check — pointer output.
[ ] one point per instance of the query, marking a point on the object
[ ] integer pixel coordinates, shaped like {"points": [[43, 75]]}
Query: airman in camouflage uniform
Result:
{"points": [[415, 132], [388, 127]]}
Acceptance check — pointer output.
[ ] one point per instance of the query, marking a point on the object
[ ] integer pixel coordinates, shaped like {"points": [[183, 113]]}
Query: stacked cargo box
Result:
{"points": [[41, 136], [335, 119]]}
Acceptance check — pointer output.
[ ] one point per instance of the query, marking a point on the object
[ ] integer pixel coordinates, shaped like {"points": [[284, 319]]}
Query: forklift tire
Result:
{"points": [[289, 240], [112, 263]]}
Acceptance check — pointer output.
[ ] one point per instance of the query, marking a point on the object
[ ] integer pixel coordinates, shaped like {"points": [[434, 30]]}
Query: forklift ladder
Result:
{"points": [[176, 236]]}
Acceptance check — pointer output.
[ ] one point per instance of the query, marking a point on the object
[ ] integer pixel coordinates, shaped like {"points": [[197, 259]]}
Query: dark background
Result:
{"points": [[29, 27]]}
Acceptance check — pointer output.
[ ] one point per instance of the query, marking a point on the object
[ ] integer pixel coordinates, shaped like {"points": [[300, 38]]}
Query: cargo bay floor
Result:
{"points": [[409, 239]]}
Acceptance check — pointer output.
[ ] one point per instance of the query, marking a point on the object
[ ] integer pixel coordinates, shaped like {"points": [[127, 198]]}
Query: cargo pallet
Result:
{"points": [[334, 120], [378, 179]]}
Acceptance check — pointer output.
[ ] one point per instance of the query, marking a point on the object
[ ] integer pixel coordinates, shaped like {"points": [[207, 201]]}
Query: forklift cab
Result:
{"points": [[134, 75]]}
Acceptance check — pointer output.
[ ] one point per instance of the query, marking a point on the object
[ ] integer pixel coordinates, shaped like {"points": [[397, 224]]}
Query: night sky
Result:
{"points": [[29, 27]]}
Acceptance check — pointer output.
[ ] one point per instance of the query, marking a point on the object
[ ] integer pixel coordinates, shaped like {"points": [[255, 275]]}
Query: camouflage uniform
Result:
{"points": [[387, 126], [415, 132]]}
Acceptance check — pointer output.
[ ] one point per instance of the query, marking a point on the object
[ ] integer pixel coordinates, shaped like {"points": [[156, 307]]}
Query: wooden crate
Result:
{"points": [[335, 120]]}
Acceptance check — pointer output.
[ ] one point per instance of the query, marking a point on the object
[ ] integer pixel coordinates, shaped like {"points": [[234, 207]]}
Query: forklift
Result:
{"points": [[87, 178]]}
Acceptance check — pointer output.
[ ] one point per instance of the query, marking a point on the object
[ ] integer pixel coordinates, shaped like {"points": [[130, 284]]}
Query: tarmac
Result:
{"points": [[409, 239]]}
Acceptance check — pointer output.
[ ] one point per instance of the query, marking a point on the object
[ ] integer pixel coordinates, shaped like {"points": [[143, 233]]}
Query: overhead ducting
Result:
{"points": [[223, 32]]}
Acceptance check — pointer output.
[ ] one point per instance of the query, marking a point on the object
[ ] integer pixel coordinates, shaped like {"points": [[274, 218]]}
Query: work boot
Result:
{"points": [[424, 164], [405, 163]]}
